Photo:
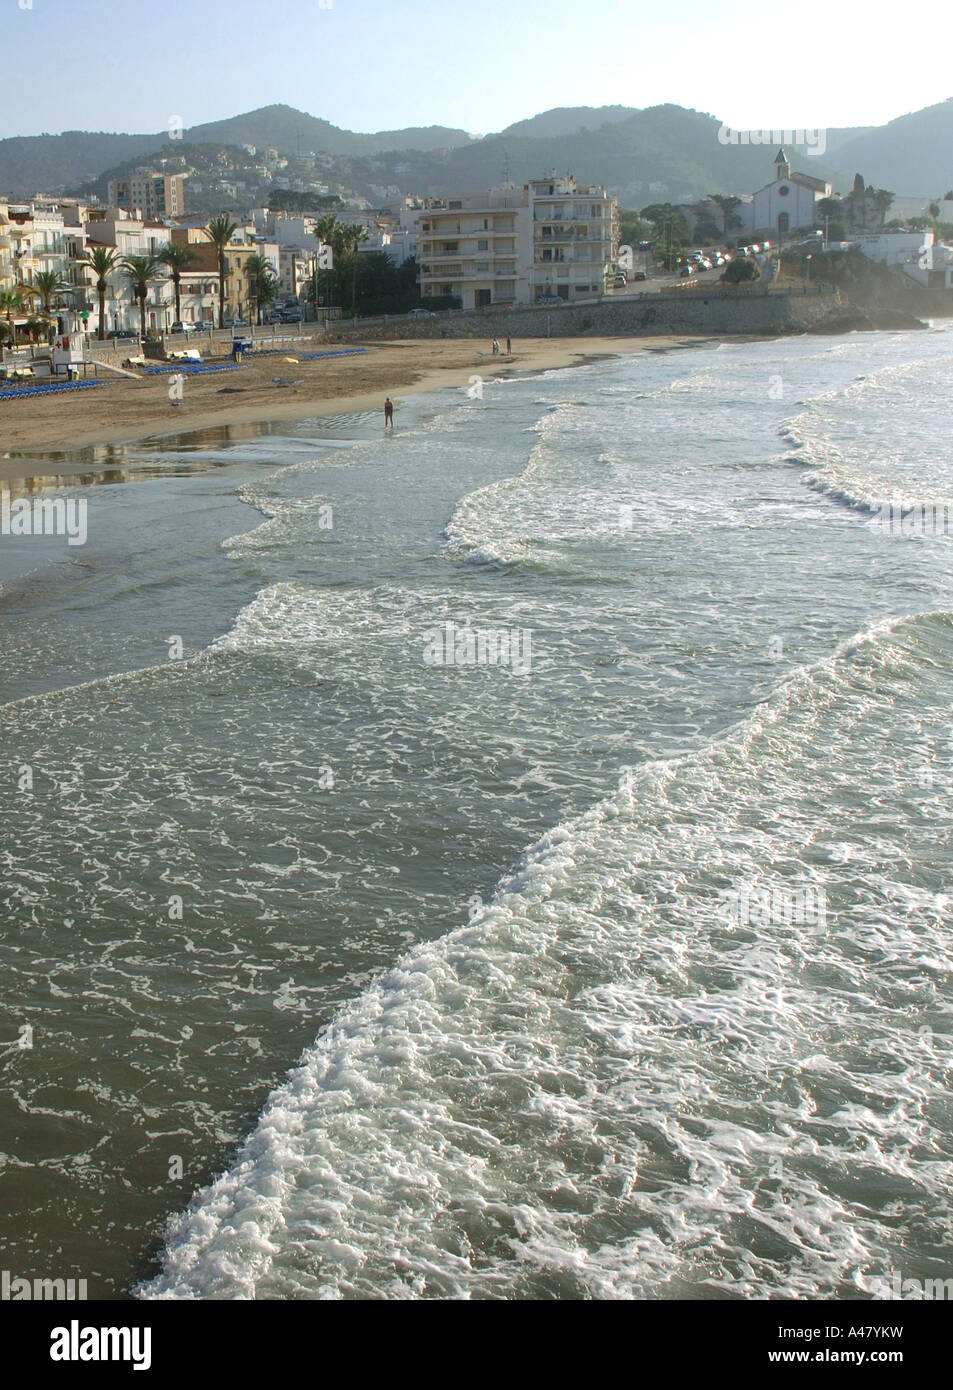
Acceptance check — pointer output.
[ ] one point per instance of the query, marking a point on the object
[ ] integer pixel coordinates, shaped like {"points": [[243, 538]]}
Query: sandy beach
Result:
{"points": [[276, 388]]}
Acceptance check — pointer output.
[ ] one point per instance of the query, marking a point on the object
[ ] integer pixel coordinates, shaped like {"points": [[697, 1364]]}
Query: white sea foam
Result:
{"points": [[600, 1087]]}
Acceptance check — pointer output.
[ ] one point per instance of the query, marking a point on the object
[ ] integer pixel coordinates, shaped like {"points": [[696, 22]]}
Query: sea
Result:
{"points": [[505, 859]]}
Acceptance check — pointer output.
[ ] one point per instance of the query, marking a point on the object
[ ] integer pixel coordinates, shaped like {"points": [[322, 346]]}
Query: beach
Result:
{"points": [[505, 858], [122, 410]]}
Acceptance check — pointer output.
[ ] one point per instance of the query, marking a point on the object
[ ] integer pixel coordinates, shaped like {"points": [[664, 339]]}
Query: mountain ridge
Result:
{"points": [[660, 153]]}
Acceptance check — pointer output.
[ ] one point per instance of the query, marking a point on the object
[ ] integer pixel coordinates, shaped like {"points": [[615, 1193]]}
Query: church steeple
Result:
{"points": [[782, 166]]}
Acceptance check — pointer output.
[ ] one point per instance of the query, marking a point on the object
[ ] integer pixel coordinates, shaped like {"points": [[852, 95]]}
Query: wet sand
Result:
{"points": [[275, 388]]}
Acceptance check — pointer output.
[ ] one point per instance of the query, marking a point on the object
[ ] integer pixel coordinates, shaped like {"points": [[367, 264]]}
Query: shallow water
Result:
{"points": [[545, 1055]]}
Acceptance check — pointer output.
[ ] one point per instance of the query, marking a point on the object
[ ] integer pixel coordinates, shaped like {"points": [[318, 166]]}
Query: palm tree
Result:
{"points": [[353, 234], [330, 233], [262, 283], [11, 302], [220, 231], [141, 271], [177, 258], [101, 261], [46, 286]]}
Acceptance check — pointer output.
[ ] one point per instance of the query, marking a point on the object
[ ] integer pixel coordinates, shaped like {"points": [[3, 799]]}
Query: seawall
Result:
{"points": [[714, 312]]}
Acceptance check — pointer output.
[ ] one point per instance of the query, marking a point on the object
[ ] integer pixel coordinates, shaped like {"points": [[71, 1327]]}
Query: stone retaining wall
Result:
{"points": [[696, 311]]}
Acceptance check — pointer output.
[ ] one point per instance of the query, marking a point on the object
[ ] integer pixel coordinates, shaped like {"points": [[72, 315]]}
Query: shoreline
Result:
{"points": [[56, 435]]}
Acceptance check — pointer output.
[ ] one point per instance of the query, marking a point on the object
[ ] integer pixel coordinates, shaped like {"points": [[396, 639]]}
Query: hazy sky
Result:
{"points": [[380, 64]]}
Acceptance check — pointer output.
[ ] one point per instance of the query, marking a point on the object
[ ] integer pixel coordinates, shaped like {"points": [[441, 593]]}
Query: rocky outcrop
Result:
{"points": [[853, 320]]}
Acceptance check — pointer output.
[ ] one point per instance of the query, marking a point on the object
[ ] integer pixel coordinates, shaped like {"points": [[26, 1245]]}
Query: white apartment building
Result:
{"points": [[43, 236], [575, 239], [549, 239], [476, 246], [915, 253]]}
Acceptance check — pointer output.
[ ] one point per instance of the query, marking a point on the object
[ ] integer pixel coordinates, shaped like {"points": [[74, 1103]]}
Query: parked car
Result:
{"points": [[549, 299], [421, 314], [639, 275], [291, 316], [236, 323], [686, 270], [181, 327], [121, 333], [619, 281]]}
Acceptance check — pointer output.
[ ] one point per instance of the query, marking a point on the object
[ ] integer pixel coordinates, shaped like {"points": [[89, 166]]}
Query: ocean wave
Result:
{"points": [[848, 445], [603, 1086]]}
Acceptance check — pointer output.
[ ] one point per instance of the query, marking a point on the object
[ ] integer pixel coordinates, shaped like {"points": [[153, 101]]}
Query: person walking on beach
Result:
{"points": [[388, 413], [496, 348], [509, 346]]}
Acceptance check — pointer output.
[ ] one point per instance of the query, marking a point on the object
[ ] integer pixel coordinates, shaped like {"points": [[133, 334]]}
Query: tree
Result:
{"points": [[866, 208], [741, 271], [632, 228], [11, 302], [262, 285], [101, 261], [352, 236], [706, 230], [330, 233], [141, 271], [670, 228], [220, 231], [727, 203], [47, 286], [284, 200], [176, 258]]}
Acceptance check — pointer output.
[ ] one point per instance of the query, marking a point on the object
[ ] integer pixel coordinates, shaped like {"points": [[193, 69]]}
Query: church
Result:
{"points": [[788, 201]]}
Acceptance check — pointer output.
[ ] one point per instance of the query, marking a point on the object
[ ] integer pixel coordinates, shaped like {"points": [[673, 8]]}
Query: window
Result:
{"points": [[483, 246]]}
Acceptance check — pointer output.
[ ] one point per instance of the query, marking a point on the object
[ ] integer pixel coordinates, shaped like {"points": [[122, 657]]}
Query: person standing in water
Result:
{"points": [[388, 413]]}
